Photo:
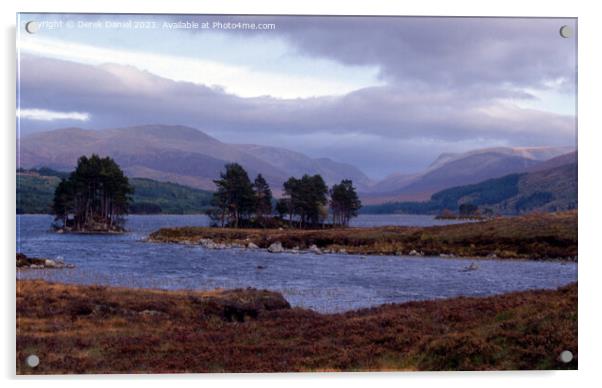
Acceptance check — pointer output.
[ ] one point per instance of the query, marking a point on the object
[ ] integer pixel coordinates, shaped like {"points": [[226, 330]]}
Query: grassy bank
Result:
{"points": [[534, 236], [91, 329]]}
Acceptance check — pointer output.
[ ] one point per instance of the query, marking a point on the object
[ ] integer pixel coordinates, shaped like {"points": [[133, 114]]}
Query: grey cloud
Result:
{"points": [[438, 52], [118, 96]]}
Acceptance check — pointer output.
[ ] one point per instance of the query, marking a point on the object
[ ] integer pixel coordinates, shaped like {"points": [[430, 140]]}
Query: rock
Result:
{"points": [[39, 263], [210, 244], [314, 249], [205, 241], [413, 252], [252, 246], [150, 313], [446, 256], [343, 251], [50, 263], [276, 247], [492, 256]]}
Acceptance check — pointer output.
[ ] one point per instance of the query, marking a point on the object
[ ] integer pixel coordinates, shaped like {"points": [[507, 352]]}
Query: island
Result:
{"points": [[93, 199], [537, 236]]}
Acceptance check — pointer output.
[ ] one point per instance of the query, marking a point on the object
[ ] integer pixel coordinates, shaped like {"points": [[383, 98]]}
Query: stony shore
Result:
{"points": [[550, 236], [24, 262]]}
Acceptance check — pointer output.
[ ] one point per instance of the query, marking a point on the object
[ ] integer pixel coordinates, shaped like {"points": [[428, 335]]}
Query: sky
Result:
{"points": [[386, 94]]}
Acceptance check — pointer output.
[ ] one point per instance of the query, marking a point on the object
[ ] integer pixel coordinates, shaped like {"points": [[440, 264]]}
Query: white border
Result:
{"points": [[589, 178]]}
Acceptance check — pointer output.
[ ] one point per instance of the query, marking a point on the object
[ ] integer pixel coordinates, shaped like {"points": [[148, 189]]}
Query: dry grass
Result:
{"points": [[89, 329], [534, 236]]}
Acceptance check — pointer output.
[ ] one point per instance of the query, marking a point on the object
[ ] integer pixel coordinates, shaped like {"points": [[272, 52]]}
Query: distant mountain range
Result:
{"points": [[451, 170], [190, 157], [550, 186], [176, 154]]}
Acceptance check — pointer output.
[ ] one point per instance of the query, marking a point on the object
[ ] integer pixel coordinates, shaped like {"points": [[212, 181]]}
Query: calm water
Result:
{"points": [[325, 283]]}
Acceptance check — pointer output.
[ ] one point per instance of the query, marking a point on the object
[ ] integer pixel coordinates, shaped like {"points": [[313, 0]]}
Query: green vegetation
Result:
{"points": [[263, 199], [152, 331], [554, 189], [305, 198], [234, 200], [344, 203], [167, 198], [94, 197], [35, 192], [534, 236], [240, 203]]}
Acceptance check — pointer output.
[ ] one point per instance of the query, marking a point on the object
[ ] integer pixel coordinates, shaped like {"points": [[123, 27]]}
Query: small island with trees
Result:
{"points": [[307, 202], [309, 215], [312, 217], [93, 199]]}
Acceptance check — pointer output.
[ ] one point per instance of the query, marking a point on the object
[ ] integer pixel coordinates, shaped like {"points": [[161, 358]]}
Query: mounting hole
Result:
{"points": [[566, 31], [32, 27], [566, 356], [32, 360]]}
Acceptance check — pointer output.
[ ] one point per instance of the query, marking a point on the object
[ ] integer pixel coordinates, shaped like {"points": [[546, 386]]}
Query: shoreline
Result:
{"points": [[551, 236], [157, 331], [298, 252]]}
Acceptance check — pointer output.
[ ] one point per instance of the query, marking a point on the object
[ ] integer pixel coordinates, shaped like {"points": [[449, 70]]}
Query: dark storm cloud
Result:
{"points": [[439, 52], [446, 52], [448, 86], [117, 95]]}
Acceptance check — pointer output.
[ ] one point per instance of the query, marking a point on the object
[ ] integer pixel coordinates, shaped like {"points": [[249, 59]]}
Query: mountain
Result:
{"points": [[175, 153], [569, 158], [551, 189], [297, 164], [451, 170], [35, 192], [190, 157]]}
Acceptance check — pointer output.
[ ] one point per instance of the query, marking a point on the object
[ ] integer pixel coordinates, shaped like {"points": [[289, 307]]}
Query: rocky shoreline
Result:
{"points": [[24, 262], [550, 236], [277, 247]]}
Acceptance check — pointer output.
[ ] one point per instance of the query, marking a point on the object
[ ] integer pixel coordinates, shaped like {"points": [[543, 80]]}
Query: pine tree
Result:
{"points": [[263, 198], [234, 197], [344, 202], [94, 197], [306, 197]]}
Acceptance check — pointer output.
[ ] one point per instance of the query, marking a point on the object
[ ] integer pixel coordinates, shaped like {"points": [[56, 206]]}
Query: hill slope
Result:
{"points": [[175, 153], [450, 170], [297, 164], [553, 189], [35, 193]]}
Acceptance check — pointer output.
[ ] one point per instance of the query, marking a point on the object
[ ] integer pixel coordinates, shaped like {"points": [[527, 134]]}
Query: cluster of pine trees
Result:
{"points": [[97, 195], [93, 198], [239, 202]]}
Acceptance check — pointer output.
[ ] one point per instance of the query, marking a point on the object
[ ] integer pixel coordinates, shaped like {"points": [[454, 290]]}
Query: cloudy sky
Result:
{"points": [[383, 93]]}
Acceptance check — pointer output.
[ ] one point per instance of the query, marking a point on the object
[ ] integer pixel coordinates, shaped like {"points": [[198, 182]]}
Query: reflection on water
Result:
{"points": [[325, 283]]}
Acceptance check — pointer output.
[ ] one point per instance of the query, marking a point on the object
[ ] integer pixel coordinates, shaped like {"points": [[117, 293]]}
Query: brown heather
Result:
{"points": [[532, 236], [91, 329]]}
